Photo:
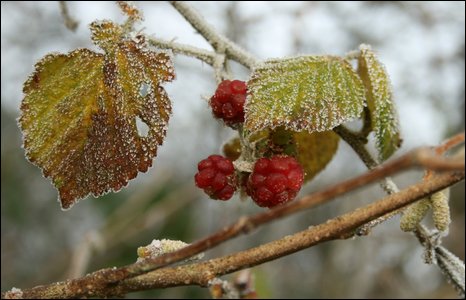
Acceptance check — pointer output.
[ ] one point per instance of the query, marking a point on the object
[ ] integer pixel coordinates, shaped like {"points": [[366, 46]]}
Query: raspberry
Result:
{"points": [[228, 101], [275, 181], [216, 177]]}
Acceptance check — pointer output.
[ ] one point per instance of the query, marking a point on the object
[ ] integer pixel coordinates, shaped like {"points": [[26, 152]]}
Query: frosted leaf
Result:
{"points": [[313, 93], [106, 34], [160, 247], [130, 9], [79, 115], [315, 150], [384, 118]]}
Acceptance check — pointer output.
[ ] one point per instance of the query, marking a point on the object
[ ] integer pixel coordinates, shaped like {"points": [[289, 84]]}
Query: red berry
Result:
{"points": [[228, 101], [216, 177], [275, 180]]}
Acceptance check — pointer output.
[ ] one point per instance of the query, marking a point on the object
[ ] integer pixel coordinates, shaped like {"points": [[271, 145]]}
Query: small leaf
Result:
{"points": [[106, 34], [313, 93], [129, 9], [384, 119], [315, 150], [80, 109]]}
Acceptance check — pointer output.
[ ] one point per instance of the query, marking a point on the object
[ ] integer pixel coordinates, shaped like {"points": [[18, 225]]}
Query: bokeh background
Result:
{"points": [[422, 45]]}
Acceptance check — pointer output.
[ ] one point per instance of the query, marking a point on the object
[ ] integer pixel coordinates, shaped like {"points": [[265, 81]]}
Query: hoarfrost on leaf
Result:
{"points": [[384, 118], [313, 93], [78, 116]]}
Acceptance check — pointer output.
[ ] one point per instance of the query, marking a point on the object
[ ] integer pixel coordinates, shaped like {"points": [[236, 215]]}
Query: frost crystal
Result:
{"points": [[383, 114], [80, 111], [313, 93], [14, 293], [160, 247]]}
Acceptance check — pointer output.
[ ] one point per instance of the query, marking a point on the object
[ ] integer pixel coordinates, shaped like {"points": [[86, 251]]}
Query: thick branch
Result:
{"points": [[449, 264], [214, 38], [98, 282], [201, 273], [246, 224]]}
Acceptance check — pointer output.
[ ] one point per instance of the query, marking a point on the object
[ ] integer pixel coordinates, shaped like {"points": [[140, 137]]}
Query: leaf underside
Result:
{"points": [[80, 109], [384, 118], [315, 150], [313, 93]]}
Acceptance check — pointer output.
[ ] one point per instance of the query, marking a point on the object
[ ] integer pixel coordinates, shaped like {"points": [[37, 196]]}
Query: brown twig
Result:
{"points": [[453, 271], [201, 273], [444, 147], [414, 158], [70, 22], [429, 161], [103, 279]]}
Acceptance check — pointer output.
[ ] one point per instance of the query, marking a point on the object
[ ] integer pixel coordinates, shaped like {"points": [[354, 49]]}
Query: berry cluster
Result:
{"points": [[228, 101], [275, 181], [216, 177]]}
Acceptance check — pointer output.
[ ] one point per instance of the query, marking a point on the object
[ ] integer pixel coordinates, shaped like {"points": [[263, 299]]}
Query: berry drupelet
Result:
{"points": [[275, 181], [216, 177], [228, 101]]}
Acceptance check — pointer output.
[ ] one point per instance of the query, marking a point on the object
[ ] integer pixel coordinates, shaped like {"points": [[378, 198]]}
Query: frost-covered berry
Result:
{"points": [[216, 177], [275, 180], [228, 101]]}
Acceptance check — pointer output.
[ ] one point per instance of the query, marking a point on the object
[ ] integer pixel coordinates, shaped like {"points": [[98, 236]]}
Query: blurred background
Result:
{"points": [[422, 46]]}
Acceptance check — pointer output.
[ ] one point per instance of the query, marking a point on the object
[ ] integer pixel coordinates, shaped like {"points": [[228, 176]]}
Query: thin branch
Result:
{"points": [[70, 22], [246, 224], [446, 146], [218, 41], [450, 265], [387, 184], [357, 143], [453, 271], [101, 280], [201, 54], [449, 143], [201, 273]]}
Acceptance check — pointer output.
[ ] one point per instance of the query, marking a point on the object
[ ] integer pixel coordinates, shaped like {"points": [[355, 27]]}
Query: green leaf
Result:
{"points": [[313, 93], [315, 150], [80, 110], [384, 119]]}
